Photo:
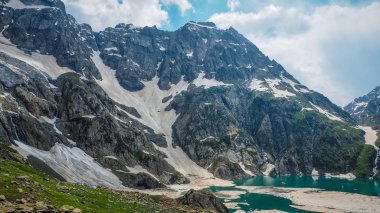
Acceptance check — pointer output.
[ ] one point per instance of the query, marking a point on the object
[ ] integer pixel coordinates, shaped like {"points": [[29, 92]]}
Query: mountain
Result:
{"points": [[146, 108], [366, 109]]}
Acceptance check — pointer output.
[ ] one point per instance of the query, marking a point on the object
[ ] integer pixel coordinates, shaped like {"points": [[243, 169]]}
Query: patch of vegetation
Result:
{"points": [[299, 116], [364, 162], [377, 143], [339, 144], [252, 151], [47, 189], [212, 142]]}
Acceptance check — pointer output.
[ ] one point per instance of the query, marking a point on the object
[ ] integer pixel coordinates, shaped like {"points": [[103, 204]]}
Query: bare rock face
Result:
{"points": [[366, 109], [202, 200], [49, 30], [7, 153]]}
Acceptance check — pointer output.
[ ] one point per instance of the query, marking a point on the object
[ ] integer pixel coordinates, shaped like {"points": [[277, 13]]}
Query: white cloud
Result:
{"points": [[332, 49], [183, 5], [106, 13], [233, 4]]}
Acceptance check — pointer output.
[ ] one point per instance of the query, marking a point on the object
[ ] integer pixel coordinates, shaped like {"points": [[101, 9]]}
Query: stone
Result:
{"points": [[202, 199], [22, 177], [21, 201], [24, 208], [66, 208], [41, 205], [76, 210], [2, 198]]}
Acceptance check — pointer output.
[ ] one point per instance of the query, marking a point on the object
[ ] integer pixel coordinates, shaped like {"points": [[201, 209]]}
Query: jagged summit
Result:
{"points": [[208, 25], [33, 4], [366, 109]]}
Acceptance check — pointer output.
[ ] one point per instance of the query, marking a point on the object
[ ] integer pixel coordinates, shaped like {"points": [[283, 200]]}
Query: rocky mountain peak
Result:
{"points": [[43, 27], [192, 26], [34, 4], [366, 109]]}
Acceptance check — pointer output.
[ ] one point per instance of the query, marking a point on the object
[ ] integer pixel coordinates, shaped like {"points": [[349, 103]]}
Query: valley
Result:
{"points": [[140, 111]]}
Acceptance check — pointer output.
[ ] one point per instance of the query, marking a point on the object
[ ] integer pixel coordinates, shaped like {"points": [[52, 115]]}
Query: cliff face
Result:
{"points": [[366, 109]]}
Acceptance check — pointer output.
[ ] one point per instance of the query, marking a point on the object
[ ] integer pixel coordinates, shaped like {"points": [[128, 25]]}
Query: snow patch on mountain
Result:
{"points": [[190, 54], [261, 86], [46, 63], [89, 116], [303, 90], [278, 93], [359, 107], [111, 49], [17, 4], [201, 25], [73, 164], [52, 122], [110, 157], [161, 47], [242, 166], [290, 82], [268, 169], [148, 103], [258, 85], [207, 138], [139, 169], [370, 135], [201, 81], [326, 113]]}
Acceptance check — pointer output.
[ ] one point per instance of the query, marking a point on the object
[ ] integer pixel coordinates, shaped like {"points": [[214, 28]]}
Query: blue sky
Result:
{"points": [[331, 46], [203, 9]]}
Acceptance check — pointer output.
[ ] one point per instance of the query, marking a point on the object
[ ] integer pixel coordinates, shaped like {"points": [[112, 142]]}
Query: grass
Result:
{"points": [[50, 190], [363, 168], [377, 143]]}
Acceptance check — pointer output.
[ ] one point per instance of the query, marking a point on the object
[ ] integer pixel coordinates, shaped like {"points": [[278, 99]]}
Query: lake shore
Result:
{"points": [[177, 190], [318, 200]]}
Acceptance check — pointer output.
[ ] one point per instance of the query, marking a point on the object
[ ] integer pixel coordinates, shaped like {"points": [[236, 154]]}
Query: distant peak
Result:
{"points": [[127, 26], [209, 25], [33, 4]]}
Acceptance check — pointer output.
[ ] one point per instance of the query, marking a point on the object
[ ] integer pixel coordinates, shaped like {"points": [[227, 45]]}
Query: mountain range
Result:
{"points": [[146, 108]]}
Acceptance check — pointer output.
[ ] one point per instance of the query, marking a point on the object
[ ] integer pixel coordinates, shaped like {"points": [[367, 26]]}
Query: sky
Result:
{"points": [[331, 46]]}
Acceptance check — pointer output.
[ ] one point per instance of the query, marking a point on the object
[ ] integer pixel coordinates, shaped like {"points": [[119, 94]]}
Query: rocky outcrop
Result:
{"points": [[253, 128], [7, 153], [202, 200], [53, 32], [366, 109], [76, 109]]}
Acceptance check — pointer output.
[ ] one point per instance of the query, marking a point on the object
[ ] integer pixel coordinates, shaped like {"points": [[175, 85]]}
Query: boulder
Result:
{"points": [[202, 199]]}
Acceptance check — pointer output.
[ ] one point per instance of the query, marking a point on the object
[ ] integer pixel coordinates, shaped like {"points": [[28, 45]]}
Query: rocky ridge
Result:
{"points": [[366, 109]]}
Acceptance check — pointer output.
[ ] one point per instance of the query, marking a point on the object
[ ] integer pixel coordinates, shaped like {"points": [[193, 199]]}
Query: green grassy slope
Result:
{"points": [[21, 181]]}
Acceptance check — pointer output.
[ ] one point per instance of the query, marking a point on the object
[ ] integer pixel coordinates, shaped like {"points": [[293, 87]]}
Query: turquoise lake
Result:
{"points": [[269, 202]]}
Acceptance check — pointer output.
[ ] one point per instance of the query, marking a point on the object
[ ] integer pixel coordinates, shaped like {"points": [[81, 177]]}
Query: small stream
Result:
{"points": [[375, 168]]}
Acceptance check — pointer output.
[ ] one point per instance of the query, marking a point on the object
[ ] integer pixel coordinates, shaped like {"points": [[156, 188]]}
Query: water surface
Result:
{"points": [[269, 202]]}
